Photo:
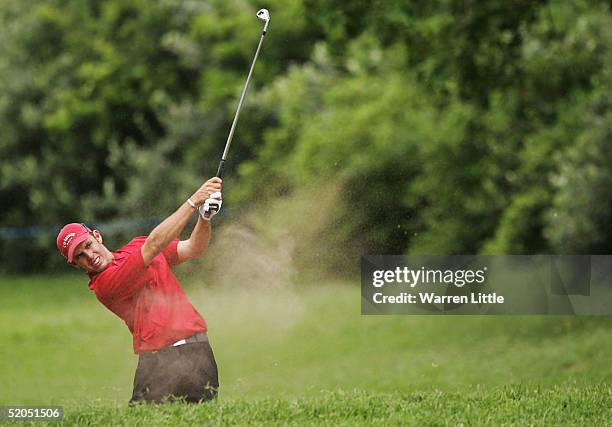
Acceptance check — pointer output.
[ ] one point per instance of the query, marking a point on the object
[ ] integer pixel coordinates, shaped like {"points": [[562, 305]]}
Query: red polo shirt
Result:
{"points": [[149, 299]]}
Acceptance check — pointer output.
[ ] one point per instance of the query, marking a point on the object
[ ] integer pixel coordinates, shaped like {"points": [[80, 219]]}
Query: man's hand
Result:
{"points": [[213, 185], [171, 227], [211, 206]]}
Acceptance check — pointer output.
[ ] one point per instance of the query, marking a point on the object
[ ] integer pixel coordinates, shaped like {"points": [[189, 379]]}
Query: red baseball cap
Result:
{"points": [[69, 238]]}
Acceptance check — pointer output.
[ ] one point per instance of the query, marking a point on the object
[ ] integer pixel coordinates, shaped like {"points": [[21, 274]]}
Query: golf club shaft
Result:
{"points": [[244, 90]]}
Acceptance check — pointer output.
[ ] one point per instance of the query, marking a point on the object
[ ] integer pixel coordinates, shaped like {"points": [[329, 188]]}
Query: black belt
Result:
{"points": [[201, 337]]}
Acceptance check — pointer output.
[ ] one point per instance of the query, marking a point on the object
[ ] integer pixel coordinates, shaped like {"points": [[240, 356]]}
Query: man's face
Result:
{"points": [[91, 255]]}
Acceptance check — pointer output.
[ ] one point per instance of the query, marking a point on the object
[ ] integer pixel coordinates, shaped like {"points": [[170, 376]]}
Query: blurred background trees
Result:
{"points": [[421, 127]]}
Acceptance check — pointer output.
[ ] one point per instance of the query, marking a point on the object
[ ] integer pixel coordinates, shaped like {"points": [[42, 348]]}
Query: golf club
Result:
{"points": [[264, 16]]}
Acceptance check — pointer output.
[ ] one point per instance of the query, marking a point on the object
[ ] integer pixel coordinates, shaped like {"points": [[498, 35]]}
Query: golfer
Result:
{"points": [[137, 284]]}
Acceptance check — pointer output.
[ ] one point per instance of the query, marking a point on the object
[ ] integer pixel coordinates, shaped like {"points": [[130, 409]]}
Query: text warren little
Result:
{"points": [[431, 298]]}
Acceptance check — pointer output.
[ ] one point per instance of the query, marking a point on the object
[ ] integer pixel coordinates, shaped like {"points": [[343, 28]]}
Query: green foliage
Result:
{"points": [[449, 127], [579, 221], [461, 121], [350, 132], [84, 82], [104, 104]]}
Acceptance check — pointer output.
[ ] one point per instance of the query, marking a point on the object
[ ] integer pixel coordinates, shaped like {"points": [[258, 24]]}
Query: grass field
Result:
{"points": [[307, 356]]}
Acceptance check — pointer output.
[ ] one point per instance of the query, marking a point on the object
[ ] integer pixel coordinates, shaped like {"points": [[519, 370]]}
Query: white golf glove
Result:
{"points": [[211, 206]]}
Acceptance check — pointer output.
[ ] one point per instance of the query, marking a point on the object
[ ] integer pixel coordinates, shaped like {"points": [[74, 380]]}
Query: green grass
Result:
{"points": [[518, 405], [286, 355]]}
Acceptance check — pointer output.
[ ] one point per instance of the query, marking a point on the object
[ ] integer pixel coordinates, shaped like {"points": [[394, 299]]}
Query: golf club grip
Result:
{"points": [[220, 169]]}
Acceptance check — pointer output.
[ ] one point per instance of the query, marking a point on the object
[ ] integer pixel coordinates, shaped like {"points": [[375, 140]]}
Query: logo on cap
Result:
{"points": [[67, 239]]}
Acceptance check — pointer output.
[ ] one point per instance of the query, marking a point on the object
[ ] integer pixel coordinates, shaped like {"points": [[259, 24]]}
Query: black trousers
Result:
{"points": [[188, 371]]}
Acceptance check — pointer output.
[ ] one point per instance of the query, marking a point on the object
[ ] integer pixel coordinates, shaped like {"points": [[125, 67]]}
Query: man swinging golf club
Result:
{"points": [[137, 284]]}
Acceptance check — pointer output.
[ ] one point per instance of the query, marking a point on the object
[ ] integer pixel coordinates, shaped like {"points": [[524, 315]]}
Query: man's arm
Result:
{"points": [[197, 243], [171, 227]]}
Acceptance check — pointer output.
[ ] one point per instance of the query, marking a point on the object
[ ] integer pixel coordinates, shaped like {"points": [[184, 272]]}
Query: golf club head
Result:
{"points": [[264, 15]]}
